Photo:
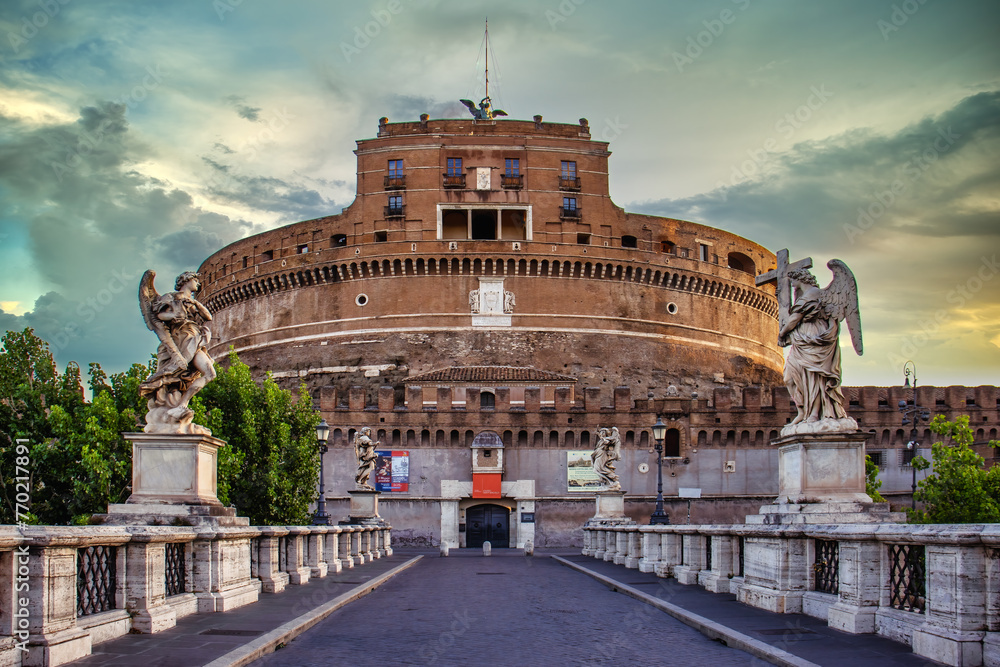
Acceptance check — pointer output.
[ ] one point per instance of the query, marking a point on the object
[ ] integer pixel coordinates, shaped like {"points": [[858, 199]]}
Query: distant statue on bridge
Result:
{"points": [[606, 452], [364, 449], [810, 328]]}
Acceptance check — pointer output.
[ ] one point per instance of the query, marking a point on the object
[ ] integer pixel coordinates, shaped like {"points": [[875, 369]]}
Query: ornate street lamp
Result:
{"points": [[659, 432], [321, 518], [912, 414]]}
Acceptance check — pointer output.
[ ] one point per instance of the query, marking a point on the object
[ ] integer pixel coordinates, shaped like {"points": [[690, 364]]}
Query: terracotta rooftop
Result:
{"points": [[490, 375]]}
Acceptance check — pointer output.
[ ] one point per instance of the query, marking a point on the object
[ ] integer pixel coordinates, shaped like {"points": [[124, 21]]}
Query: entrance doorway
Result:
{"points": [[487, 523]]}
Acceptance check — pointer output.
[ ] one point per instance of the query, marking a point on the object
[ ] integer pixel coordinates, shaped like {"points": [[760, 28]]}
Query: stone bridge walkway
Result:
{"points": [[506, 609]]}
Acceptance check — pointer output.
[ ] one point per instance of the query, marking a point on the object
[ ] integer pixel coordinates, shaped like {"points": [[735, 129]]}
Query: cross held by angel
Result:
{"points": [[809, 325]]}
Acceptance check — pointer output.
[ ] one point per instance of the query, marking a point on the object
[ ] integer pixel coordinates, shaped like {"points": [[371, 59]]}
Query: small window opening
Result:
{"points": [[381, 236], [487, 401], [302, 248], [246, 261], [338, 240], [267, 256], [583, 239], [629, 242]]}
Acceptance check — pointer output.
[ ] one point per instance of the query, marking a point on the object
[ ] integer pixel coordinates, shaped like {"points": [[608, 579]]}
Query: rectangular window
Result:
{"points": [[303, 248], [455, 166], [568, 169], [267, 256], [395, 168], [569, 204], [703, 252], [512, 167], [246, 260], [396, 201], [381, 236]]}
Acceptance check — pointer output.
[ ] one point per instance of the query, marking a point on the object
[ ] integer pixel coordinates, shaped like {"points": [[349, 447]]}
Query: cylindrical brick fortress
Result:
{"points": [[494, 243]]}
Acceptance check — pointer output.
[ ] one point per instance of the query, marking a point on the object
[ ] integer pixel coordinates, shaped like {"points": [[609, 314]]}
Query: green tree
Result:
{"points": [[269, 468], [959, 490], [78, 461], [872, 482]]}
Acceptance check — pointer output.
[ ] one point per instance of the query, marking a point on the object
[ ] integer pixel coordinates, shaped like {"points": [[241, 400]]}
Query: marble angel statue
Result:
{"points": [[606, 452], [811, 331], [183, 365], [364, 449]]}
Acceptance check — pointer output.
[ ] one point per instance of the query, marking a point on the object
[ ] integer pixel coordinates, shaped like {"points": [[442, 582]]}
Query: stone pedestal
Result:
{"points": [[174, 469], [364, 509], [821, 480], [174, 482], [610, 512]]}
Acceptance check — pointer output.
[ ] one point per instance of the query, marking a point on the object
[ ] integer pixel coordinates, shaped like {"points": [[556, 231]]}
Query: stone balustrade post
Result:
{"points": [[387, 540], [295, 558], [318, 567], [634, 554], [859, 579], [777, 569], [601, 542], [145, 579], [650, 548], [272, 578], [719, 577], [14, 555], [693, 563], [956, 576], [671, 552], [588, 541], [346, 559], [620, 552], [332, 544], [356, 554], [366, 544], [221, 569]]}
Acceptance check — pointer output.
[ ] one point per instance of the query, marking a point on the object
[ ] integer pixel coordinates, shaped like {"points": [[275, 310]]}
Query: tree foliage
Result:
{"points": [[959, 490], [270, 466], [872, 482], [79, 461]]}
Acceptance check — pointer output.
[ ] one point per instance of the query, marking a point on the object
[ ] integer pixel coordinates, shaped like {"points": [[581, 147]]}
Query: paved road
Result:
{"points": [[503, 610]]}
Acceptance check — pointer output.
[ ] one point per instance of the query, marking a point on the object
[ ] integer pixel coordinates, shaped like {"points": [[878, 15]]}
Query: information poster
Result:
{"points": [[392, 471], [580, 475]]}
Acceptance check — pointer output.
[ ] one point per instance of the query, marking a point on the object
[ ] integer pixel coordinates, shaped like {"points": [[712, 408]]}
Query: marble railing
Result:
{"points": [[934, 587], [68, 588]]}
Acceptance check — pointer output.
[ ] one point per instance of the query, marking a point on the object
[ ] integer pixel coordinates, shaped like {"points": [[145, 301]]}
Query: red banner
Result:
{"points": [[486, 485]]}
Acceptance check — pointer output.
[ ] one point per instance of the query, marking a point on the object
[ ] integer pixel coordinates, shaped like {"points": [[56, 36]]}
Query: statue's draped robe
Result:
{"points": [[812, 369], [189, 338]]}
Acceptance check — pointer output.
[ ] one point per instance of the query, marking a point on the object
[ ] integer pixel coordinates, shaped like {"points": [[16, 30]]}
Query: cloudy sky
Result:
{"points": [[140, 135]]}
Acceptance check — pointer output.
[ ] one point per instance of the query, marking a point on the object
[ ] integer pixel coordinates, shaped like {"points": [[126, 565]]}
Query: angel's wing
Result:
{"points": [[841, 300], [147, 295], [499, 112], [472, 107]]}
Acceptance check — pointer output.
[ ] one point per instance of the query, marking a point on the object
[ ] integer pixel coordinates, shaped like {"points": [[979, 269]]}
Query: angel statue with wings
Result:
{"points": [[364, 449], [811, 330], [607, 451], [183, 365]]}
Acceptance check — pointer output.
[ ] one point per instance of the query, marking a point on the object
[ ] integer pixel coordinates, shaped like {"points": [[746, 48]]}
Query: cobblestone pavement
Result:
{"points": [[506, 609]]}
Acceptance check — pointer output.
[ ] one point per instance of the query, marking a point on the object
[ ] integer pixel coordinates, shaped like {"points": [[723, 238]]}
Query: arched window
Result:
{"points": [[672, 443], [487, 400], [741, 262]]}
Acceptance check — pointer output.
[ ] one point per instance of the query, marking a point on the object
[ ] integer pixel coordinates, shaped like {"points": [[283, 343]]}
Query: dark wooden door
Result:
{"points": [[487, 523]]}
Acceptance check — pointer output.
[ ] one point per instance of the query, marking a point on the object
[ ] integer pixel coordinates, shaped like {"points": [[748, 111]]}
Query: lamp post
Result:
{"points": [[659, 516], [912, 414], [321, 518]]}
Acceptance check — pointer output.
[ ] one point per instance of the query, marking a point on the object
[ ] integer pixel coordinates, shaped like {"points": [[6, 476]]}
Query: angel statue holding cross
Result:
{"points": [[810, 328], [183, 365]]}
